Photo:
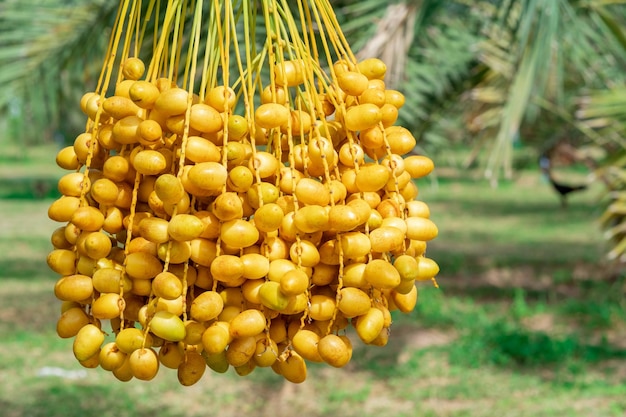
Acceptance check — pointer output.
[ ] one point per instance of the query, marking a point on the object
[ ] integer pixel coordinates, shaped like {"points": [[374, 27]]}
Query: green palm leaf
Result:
{"points": [[49, 52], [545, 52]]}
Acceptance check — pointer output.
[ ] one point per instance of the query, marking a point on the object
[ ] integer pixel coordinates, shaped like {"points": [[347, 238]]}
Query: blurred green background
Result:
{"points": [[529, 319]]}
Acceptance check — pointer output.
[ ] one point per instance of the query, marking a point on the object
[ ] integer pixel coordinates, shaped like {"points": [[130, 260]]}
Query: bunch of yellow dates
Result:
{"points": [[212, 239]]}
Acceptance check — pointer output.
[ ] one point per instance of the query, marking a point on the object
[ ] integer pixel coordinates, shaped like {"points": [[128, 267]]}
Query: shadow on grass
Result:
{"points": [[463, 258], [25, 268], [30, 188], [33, 310], [57, 397], [521, 205]]}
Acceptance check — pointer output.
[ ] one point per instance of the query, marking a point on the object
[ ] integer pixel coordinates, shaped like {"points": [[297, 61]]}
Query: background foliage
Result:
{"points": [[493, 75], [528, 321]]}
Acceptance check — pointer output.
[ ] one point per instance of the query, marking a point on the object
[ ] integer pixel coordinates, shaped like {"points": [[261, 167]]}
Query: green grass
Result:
{"points": [[528, 321], [28, 173]]}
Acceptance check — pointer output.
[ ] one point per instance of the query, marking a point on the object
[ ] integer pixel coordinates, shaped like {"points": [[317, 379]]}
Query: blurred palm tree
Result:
{"points": [[603, 113], [493, 74], [511, 71], [475, 69], [48, 52]]}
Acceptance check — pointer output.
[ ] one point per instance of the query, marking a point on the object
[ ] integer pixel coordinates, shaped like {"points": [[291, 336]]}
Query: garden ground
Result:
{"points": [[529, 320]]}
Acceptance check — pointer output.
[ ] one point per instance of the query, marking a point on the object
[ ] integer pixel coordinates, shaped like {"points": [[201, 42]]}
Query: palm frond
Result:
{"points": [[49, 52], [434, 78], [545, 52], [428, 47]]}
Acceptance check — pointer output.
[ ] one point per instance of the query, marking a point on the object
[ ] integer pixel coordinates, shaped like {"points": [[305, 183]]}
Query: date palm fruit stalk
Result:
{"points": [[241, 196]]}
